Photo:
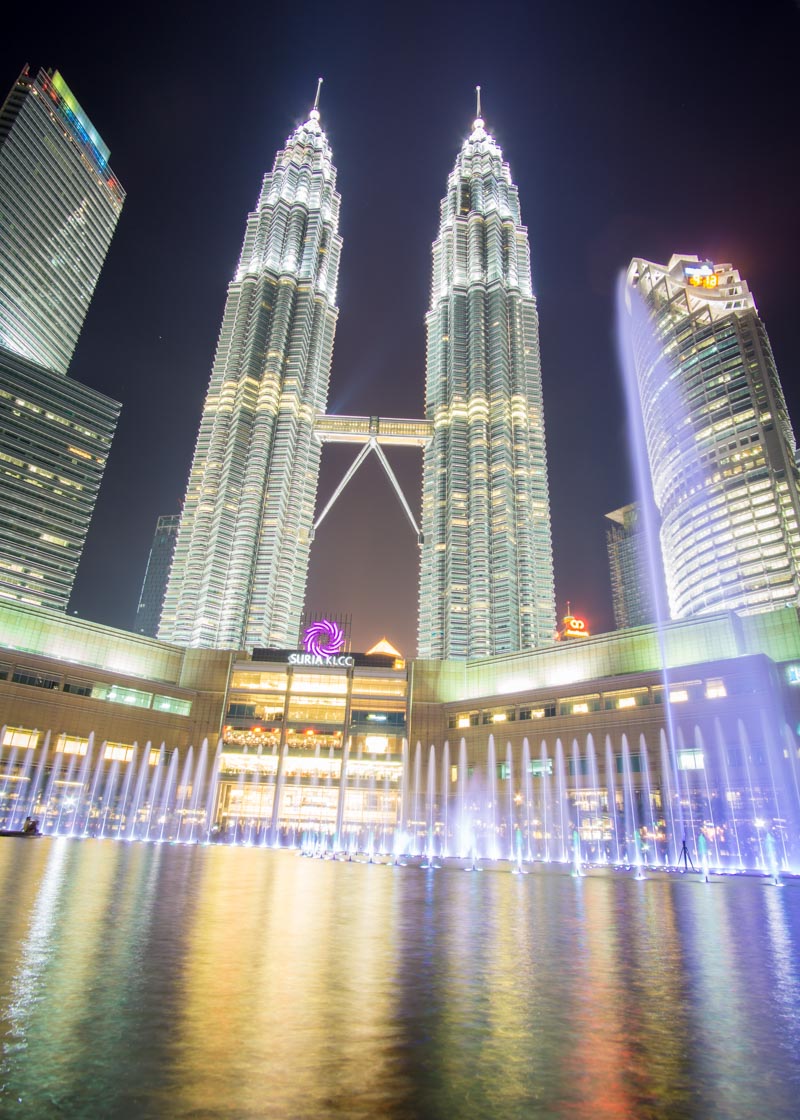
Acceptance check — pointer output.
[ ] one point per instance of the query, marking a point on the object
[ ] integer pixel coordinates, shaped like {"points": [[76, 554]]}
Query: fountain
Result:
{"points": [[630, 804]]}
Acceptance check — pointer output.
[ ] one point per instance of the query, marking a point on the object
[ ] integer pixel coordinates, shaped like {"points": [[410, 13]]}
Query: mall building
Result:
{"points": [[628, 739]]}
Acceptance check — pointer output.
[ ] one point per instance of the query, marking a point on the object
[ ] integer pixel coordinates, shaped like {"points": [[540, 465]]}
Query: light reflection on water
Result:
{"points": [[155, 981]]}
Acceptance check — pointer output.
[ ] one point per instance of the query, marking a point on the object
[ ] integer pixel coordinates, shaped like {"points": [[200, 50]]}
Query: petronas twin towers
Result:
{"points": [[239, 572], [241, 562]]}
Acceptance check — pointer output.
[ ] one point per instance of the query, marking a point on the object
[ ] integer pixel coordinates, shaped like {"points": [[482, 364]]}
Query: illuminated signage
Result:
{"points": [[76, 117], [701, 275], [323, 658], [343, 659], [574, 627], [323, 638]]}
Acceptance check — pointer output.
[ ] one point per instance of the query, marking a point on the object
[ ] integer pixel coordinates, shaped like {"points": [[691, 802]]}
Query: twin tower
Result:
{"points": [[241, 561]]}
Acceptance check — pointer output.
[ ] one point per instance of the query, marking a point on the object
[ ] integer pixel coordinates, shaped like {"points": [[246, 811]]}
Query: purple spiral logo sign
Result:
{"points": [[323, 638]]}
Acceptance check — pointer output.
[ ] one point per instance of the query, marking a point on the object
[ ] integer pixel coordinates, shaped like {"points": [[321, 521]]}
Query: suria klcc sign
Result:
{"points": [[323, 641]]}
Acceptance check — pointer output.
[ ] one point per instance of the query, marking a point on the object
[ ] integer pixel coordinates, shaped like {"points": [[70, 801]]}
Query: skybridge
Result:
{"points": [[372, 433]]}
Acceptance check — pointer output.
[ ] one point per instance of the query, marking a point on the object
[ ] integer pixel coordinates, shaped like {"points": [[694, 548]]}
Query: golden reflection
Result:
{"points": [[265, 948]]}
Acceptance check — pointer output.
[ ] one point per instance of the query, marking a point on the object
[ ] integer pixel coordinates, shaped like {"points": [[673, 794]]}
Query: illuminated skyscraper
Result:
{"points": [[719, 440], [239, 574], [486, 580], [59, 207], [55, 437]]}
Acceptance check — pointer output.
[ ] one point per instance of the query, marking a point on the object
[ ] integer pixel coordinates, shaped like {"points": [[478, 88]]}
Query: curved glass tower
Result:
{"points": [[241, 560], [719, 439], [486, 579]]}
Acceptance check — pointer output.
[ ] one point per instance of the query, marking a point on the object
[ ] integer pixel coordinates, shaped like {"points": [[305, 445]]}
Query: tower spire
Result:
{"points": [[313, 116], [477, 125]]}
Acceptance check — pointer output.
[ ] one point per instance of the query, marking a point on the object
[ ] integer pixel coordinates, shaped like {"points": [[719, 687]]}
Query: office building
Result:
{"points": [[55, 438], [239, 574], [632, 582], [60, 203], [486, 578], [159, 562], [719, 440]]}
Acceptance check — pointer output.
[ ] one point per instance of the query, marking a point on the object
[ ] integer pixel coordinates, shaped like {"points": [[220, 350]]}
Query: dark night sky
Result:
{"points": [[632, 128]]}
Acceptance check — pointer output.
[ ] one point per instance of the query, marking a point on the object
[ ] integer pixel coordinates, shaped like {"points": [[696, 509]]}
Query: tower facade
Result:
{"points": [[60, 203], [59, 206], [159, 562], [241, 560], [486, 577], [720, 444], [55, 438], [632, 593]]}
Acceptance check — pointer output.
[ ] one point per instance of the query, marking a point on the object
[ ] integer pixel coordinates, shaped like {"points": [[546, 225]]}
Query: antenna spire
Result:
{"points": [[478, 93], [316, 99]]}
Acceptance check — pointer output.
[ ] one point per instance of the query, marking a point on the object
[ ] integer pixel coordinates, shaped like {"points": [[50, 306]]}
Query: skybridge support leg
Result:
{"points": [[371, 445]]}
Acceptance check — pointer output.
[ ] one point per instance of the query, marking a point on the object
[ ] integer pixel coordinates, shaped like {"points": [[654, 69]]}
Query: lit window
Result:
{"points": [[463, 721], [118, 752], [715, 690], [172, 704], [20, 737], [68, 744], [690, 760], [579, 709], [626, 702], [679, 696]]}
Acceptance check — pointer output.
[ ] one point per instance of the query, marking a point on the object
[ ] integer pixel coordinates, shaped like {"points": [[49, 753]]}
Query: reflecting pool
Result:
{"points": [[147, 980]]}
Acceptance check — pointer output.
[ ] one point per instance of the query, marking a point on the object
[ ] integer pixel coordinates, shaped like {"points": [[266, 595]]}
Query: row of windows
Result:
{"points": [[113, 693], [583, 705], [686, 759]]}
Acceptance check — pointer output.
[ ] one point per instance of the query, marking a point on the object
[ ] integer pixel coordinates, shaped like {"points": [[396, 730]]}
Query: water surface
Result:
{"points": [[143, 980]]}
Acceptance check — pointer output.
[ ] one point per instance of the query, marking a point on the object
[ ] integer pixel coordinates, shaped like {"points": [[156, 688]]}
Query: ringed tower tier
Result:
{"points": [[241, 559], [486, 577]]}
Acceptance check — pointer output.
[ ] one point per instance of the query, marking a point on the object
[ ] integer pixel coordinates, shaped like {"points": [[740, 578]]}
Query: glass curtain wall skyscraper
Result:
{"points": [[241, 560], [720, 444], [632, 594], [154, 586], [486, 579], [59, 206]]}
